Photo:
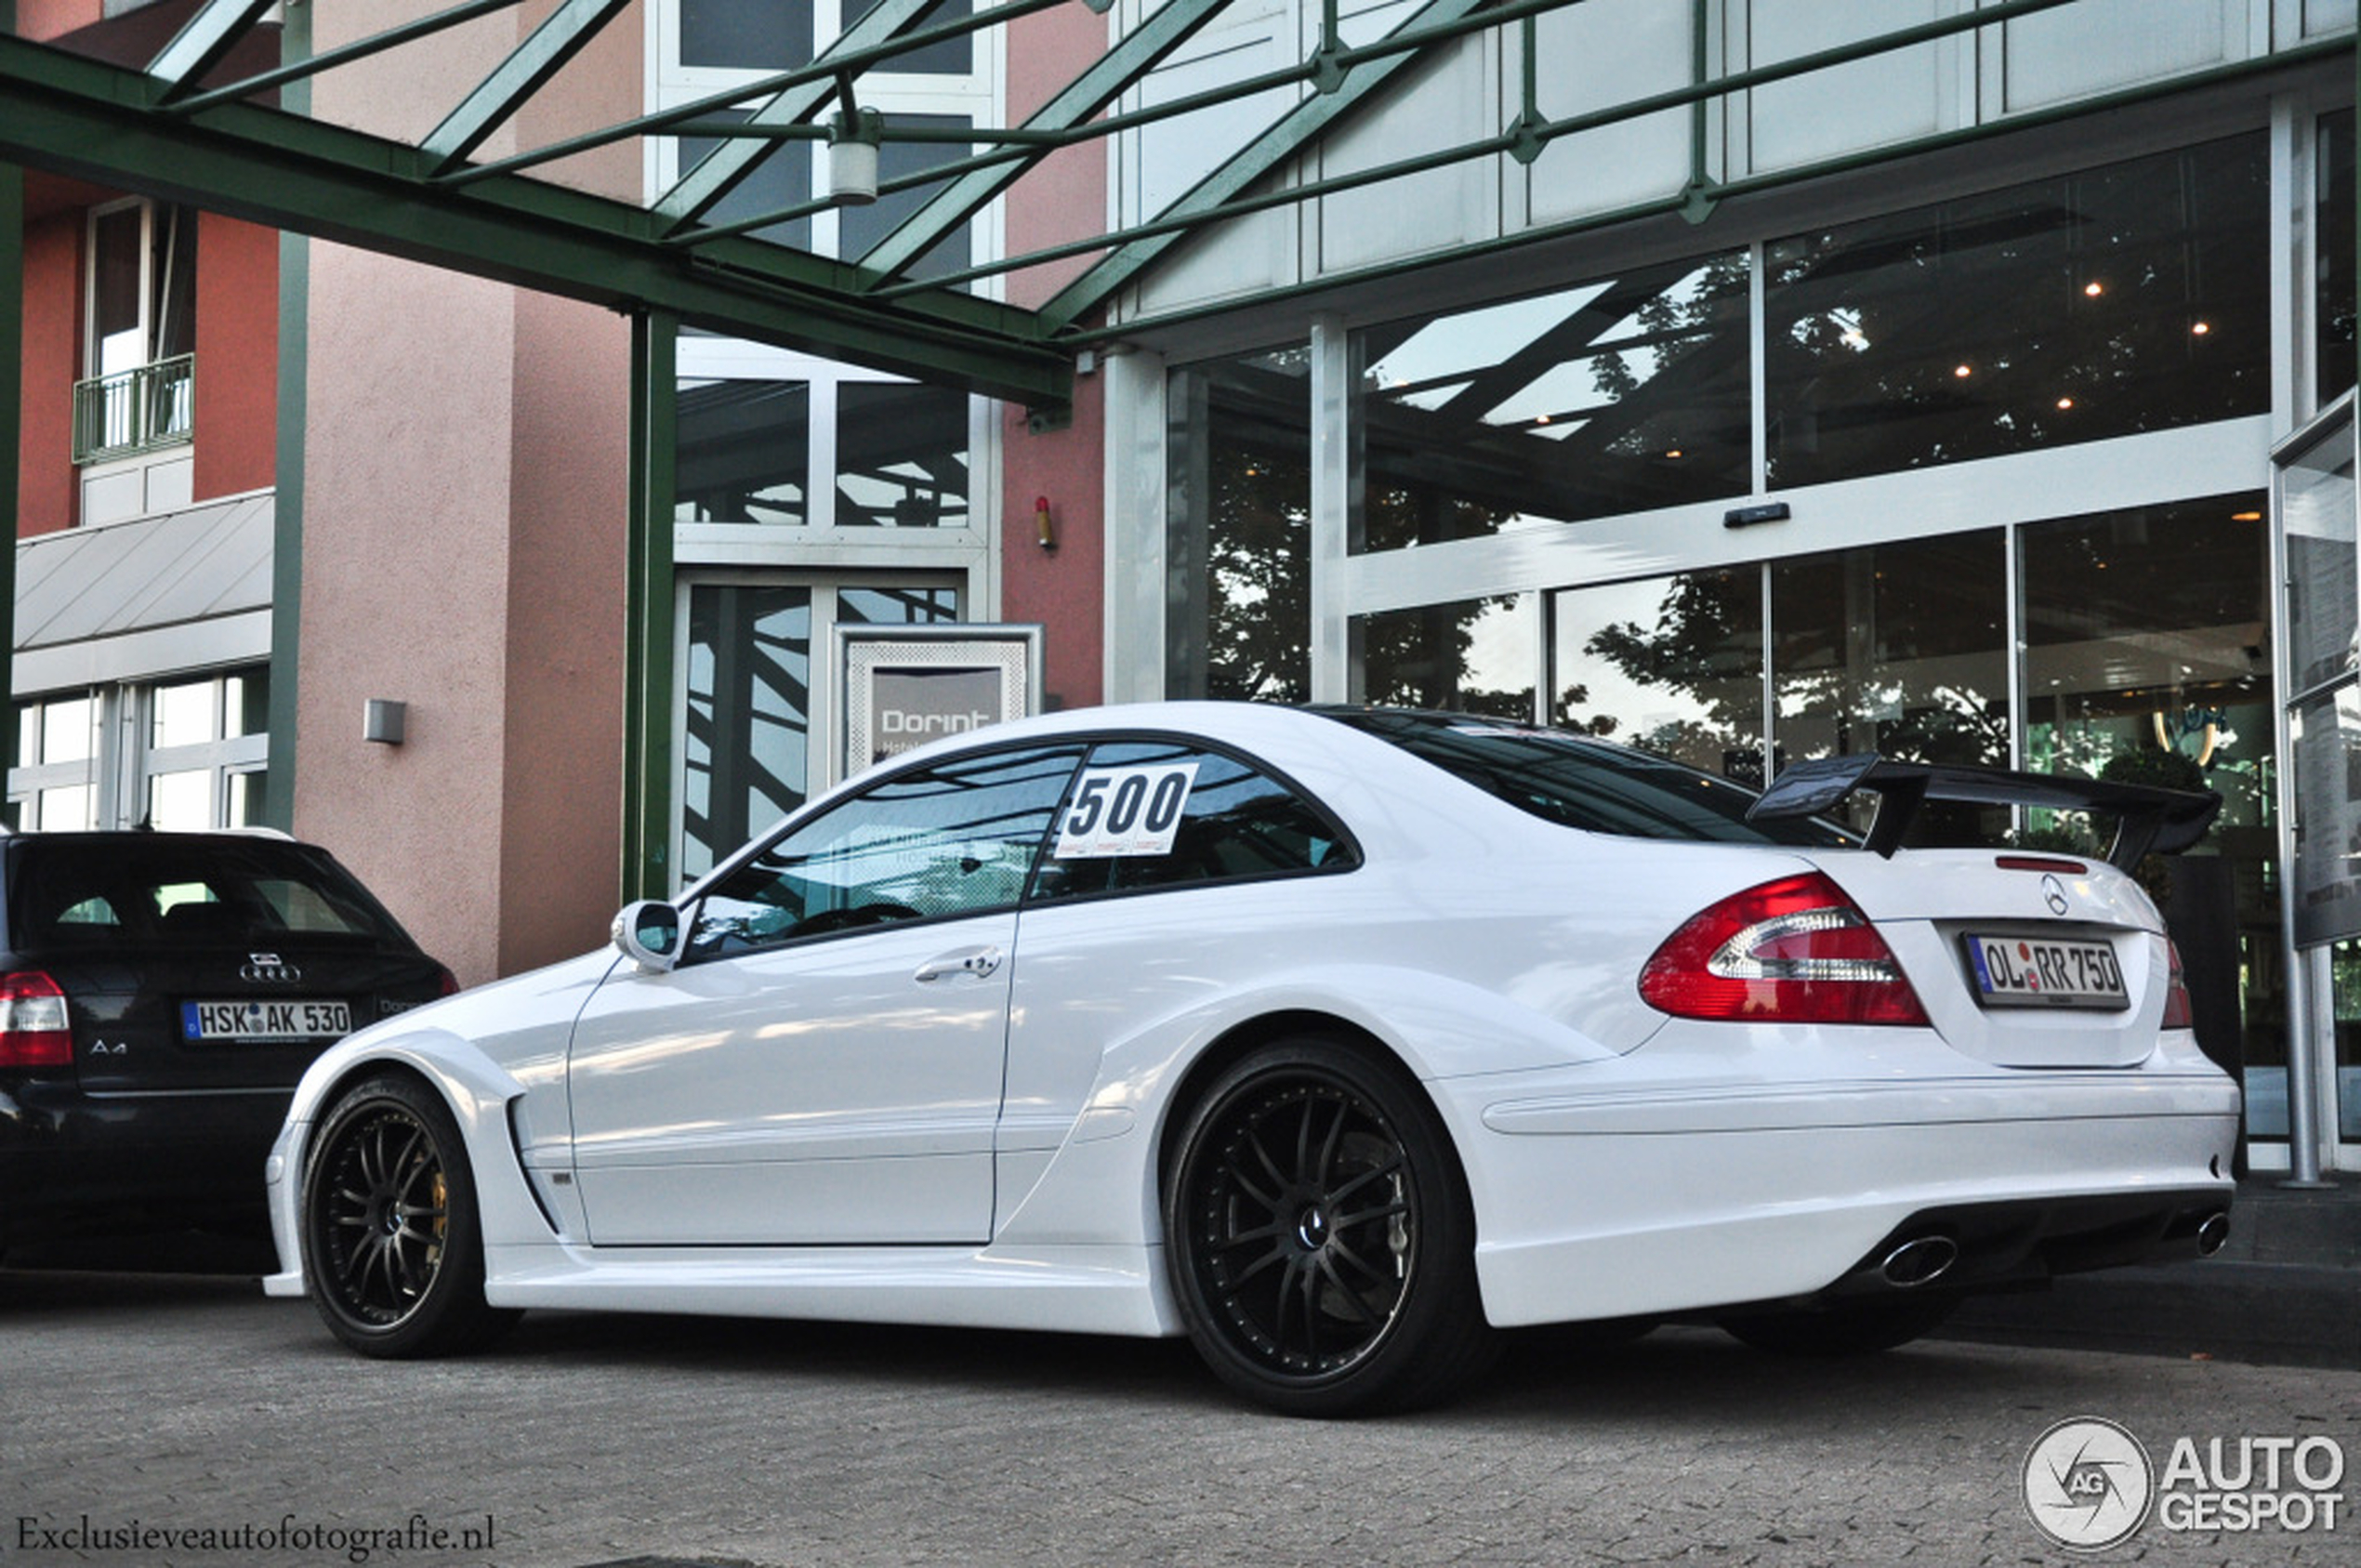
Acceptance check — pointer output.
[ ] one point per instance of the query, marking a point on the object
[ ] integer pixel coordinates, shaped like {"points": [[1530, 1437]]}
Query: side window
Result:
{"points": [[959, 839], [1158, 815]]}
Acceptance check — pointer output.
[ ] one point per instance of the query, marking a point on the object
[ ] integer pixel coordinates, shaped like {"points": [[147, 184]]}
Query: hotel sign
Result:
{"points": [[904, 685]]}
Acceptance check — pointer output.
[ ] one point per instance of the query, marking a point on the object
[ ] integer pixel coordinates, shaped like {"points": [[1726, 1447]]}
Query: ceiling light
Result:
{"points": [[2094, 288], [2200, 328], [1962, 371], [853, 139]]}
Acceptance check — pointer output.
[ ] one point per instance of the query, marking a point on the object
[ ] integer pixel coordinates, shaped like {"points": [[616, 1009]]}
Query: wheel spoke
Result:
{"points": [[1268, 1201], [1376, 1173], [1247, 1237], [1238, 1280], [1339, 1248], [1328, 1146], [1278, 1178], [1363, 1215], [1307, 1290], [1351, 1298]]}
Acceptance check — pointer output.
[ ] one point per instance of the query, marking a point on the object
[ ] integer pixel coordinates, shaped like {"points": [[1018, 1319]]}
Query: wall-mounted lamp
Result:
{"points": [[383, 720], [854, 136], [1044, 532]]}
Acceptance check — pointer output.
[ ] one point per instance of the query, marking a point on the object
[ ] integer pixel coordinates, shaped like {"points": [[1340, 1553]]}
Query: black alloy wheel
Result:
{"points": [[392, 1250], [1321, 1241]]}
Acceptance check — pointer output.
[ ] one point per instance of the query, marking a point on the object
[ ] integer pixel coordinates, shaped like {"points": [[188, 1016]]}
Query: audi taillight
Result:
{"points": [[2177, 1011], [1793, 951], [34, 1029]]}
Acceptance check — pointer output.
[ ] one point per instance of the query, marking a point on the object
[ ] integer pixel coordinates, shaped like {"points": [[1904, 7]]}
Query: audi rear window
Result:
{"points": [[171, 890], [1590, 785]]}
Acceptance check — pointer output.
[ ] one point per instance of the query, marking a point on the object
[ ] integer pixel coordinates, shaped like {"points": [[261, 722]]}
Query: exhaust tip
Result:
{"points": [[2213, 1234], [1920, 1261]]}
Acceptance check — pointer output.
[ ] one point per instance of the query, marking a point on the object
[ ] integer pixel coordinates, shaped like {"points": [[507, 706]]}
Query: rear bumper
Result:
{"points": [[76, 1164], [1604, 1204]]}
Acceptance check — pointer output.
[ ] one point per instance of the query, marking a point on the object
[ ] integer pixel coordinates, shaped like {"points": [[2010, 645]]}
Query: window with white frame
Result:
{"points": [[185, 755]]}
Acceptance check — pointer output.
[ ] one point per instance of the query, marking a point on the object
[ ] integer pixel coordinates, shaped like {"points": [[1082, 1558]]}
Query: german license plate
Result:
{"points": [[2027, 971], [264, 1021]]}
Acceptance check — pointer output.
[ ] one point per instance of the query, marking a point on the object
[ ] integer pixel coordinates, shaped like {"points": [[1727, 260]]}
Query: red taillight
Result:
{"points": [[2177, 1011], [33, 1028], [1794, 951], [446, 984]]}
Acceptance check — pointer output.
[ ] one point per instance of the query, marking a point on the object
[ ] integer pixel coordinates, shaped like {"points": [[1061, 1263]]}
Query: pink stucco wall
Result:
{"points": [[1065, 198], [464, 509]]}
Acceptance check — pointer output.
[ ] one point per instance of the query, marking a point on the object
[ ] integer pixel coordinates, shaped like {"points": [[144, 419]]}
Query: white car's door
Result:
{"points": [[825, 1064]]}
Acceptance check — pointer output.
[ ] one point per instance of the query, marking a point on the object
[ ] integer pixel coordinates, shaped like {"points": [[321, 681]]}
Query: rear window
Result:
{"points": [[160, 890], [1594, 785]]}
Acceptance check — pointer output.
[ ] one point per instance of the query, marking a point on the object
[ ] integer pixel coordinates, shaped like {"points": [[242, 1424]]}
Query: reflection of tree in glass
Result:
{"points": [[1670, 323], [1419, 658], [1259, 614], [1707, 643]]}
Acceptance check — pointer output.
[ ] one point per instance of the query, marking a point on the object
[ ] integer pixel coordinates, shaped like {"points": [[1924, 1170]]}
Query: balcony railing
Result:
{"points": [[135, 410]]}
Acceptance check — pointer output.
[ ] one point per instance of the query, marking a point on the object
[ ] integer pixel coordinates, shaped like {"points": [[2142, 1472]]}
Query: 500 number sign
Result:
{"points": [[1126, 810]]}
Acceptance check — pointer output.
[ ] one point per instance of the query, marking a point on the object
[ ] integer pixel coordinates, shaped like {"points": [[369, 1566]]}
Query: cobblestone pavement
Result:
{"points": [[189, 1405]]}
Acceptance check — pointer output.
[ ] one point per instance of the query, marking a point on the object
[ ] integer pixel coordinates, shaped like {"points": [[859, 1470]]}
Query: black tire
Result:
{"points": [[392, 1240], [1320, 1239], [1854, 1329]]}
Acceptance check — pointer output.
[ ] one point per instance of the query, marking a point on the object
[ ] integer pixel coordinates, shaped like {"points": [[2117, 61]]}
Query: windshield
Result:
{"points": [[1594, 785], [110, 889]]}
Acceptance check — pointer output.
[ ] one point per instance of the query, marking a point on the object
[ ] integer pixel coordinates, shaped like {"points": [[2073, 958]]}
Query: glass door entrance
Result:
{"points": [[755, 701]]}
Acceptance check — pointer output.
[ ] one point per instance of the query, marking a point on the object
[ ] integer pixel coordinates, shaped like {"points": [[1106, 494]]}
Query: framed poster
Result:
{"points": [[906, 685]]}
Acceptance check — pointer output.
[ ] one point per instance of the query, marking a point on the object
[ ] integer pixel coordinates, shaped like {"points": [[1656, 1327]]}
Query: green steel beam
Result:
{"points": [[720, 171], [208, 34], [1133, 56], [648, 610], [11, 439], [1291, 135], [97, 122], [302, 67], [559, 38], [294, 412], [837, 62], [1523, 138], [1883, 156]]}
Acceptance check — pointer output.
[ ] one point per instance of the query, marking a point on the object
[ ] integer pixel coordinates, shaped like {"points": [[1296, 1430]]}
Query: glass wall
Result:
{"points": [[1479, 655], [2332, 280], [741, 451], [1672, 664], [1900, 649], [755, 696], [1536, 494], [2127, 298], [1623, 394], [1238, 522]]}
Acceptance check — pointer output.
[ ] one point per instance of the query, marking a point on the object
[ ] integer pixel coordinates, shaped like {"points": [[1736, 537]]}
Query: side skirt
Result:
{"points": [[1078, 1289]]}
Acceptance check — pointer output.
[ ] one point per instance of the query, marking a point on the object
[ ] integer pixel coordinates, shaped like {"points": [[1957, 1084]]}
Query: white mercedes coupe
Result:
{"points": [[1335, 1039]]}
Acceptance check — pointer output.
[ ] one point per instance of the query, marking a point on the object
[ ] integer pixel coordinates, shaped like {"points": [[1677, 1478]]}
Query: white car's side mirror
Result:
{"points": [[648, 933]]}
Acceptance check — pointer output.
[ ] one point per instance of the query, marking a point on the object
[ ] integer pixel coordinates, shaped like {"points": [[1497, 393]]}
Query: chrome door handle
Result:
{"points": [[977, 961]]}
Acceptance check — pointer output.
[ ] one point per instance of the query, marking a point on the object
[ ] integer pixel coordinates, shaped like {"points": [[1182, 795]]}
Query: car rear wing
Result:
{"points": [[2150, 820]]}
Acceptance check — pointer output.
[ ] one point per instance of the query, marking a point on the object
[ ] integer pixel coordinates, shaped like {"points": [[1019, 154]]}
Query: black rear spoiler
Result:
{"points": [[2156, 821]]}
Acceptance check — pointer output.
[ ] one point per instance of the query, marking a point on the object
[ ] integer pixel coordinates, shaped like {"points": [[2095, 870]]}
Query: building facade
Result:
{"points": [[1757, 380]]}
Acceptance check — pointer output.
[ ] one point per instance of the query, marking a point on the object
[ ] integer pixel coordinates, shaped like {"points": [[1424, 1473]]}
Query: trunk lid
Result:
{"points": [[2018, 958]]}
